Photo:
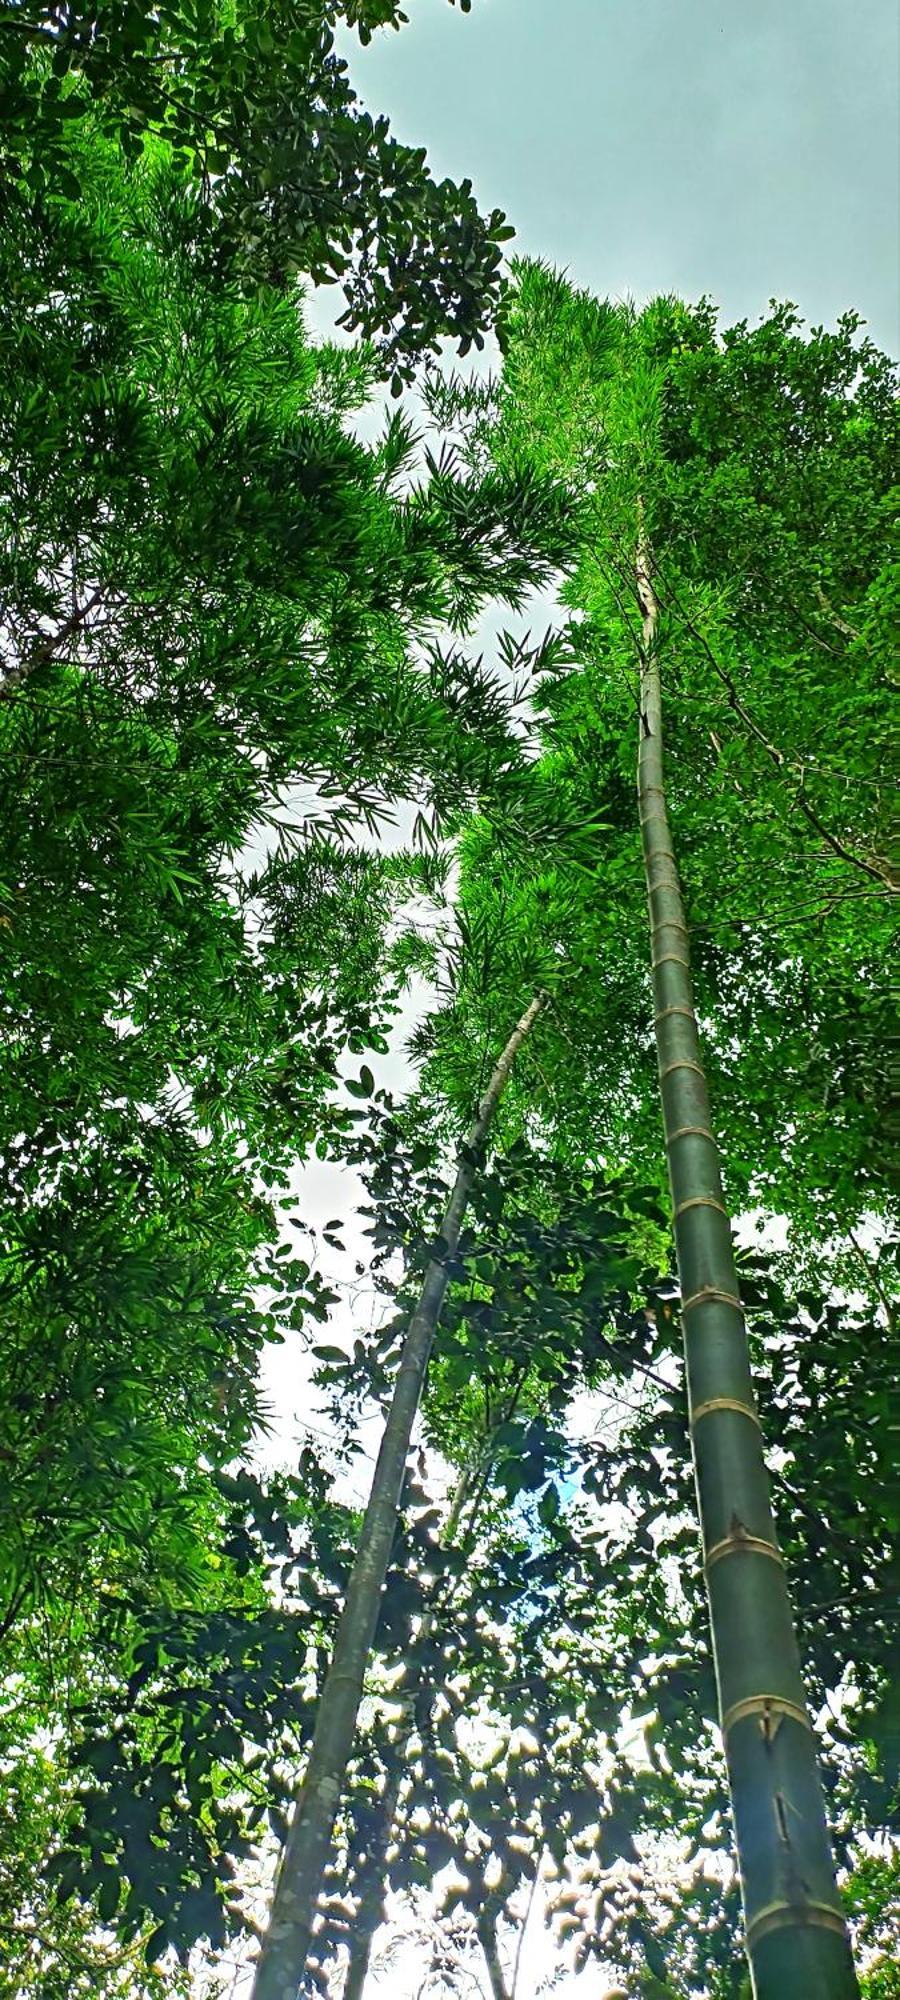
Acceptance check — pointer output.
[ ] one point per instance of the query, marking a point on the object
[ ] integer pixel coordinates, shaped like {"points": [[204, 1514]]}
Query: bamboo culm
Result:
{"points": [[796, 1936], [281, 1968], [470, 1486], [486, 1927], [369, 1913]]}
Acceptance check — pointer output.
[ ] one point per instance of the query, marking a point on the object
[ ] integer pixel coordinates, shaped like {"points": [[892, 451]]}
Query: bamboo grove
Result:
{"points": [[608, 1653]]}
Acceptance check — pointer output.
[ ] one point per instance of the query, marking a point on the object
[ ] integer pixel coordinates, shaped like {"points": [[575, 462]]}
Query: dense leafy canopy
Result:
{"points": [[211, 593], [766, 461], [233, 641], [290, 175]]}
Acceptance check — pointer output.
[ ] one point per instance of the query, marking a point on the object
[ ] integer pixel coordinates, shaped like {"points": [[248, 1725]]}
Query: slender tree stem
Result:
{"points": [[517, 1965], [870, 1267], [368, 1915], [281, 1968], [380, 1837], [49, 646], [487, 1938], [796, 1936], [874, 866]]}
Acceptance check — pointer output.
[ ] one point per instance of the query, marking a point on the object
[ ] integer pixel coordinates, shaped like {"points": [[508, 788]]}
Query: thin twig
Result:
{"points": [[51, 644]]}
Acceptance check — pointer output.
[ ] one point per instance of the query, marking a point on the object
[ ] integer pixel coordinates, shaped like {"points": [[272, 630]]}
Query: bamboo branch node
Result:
{"points": [[688, 1013], [765, 1705], [692, 1132], [681, 1064]]}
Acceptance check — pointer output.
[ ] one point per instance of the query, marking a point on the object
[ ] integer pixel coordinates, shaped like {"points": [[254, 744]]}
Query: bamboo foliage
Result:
{"points": [[795, 1931], [177, 1025]]}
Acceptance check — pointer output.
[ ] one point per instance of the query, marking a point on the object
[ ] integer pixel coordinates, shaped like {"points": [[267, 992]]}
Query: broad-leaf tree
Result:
{"points": [[288, 173]]}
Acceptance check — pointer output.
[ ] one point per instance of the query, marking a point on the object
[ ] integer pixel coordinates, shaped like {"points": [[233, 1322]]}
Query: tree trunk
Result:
{"points": [[796, 1936], [487, 1938], [281, 1966], [368, 1915], [371, 1903]]}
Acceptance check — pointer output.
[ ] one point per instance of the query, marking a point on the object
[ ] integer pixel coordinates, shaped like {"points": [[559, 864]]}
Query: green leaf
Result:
{"points": [[548, 1506], [156, 1944]]}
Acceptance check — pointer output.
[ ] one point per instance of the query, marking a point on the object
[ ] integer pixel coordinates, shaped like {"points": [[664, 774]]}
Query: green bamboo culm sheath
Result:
{"points": [[281, 1968], [796, 1936]]}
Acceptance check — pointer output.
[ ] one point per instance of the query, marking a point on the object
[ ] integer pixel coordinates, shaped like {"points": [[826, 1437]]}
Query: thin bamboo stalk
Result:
{"points": [[380, 1838], [796, 1936], [487, 1937], [471, 1485], [280, 1972]]}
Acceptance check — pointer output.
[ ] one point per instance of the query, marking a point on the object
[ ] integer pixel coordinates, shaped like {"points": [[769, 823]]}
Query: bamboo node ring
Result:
{"points": [[763, 1704], [707, 1294], [776, 1917], [743, 1545], [699, 1200], [715, 1403]]}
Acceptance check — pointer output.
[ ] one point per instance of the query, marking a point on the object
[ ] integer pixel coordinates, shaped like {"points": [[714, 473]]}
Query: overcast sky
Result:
{"points": [[747, 149]]}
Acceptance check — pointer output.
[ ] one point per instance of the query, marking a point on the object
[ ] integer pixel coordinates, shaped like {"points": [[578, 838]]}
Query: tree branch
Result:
{"points": [[49, 647]]}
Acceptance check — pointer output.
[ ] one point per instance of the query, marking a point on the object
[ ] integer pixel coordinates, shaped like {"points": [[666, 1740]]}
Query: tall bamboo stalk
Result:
{"points": [[795, 1932], [474, 1480], [486, 1926], [281, 1967], [369, 1912]]}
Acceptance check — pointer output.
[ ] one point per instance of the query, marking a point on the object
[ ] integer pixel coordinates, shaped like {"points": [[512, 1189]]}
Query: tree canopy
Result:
{"points": [[289, 173], [236, 641]]}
